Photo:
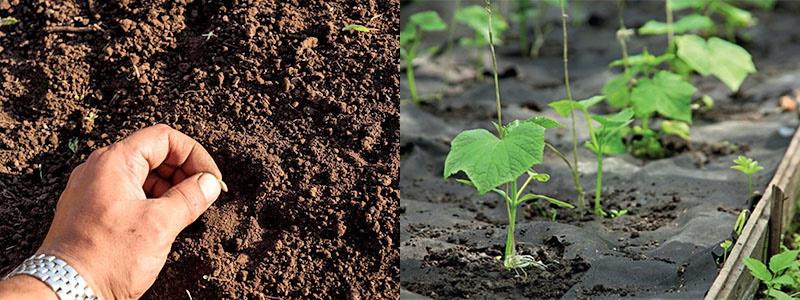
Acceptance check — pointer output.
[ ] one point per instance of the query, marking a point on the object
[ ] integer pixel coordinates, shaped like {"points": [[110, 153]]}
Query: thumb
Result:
{"points": [[190, 198]]}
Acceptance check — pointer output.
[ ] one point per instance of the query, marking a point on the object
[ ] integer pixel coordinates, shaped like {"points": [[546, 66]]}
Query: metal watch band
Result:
{"points": [[56, 273]]}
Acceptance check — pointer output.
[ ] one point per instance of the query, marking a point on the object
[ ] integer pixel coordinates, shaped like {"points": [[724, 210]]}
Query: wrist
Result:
{"points": [[93, 279], [25, 287]]}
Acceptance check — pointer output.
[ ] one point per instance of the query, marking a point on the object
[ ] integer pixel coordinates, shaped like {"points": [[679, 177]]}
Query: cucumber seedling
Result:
{"points": [[495, 162], [603, 140], [748, 167], [782, 272], [475, 17], [616, 213], [410, 40]]}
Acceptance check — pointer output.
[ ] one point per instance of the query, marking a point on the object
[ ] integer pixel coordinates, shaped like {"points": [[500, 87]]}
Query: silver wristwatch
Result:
{"points": [[56, 273]]}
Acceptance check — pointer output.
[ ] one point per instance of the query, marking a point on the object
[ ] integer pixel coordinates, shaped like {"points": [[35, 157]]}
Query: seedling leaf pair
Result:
{"points": [[565, 107], [490, 161], [727, 61], [775, 276], [609, 134]]}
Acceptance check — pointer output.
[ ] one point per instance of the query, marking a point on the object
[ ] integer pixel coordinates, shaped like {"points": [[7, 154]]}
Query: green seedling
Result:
{"points": [[603, 140], [725, 246], [495, 162], [648, 91], [748, 167], [410, 40], [356, 27], [8, 21], [740, 222], [618, 213], [475, 17], [73, 145], [782, 272]]}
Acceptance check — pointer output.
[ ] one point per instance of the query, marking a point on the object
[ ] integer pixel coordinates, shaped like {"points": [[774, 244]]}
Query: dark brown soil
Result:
{"points": [[301, 116], [452, 272]]}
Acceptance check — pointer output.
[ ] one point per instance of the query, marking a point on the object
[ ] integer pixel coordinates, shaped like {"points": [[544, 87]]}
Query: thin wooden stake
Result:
{"points": [[775, 221]]}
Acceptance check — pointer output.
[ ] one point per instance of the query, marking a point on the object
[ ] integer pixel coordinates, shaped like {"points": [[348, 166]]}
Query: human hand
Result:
{"points": [[122, 209]]}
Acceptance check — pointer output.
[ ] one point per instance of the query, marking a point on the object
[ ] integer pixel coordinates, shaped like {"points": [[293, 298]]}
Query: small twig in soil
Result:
{"points": [[71, 29]]}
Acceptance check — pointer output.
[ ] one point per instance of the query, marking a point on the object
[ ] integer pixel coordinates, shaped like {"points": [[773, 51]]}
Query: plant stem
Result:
{"points": [[622, 42], [598, 188], [576, 174], [750, 186], [670, 30], [512, 222], [494, 70], [522, 6], [566, 46], [412, 87], [576, 177], [478, 60], [452, 27]]}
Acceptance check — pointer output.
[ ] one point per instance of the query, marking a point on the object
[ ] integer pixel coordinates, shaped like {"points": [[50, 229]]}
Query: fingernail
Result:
{"points": [[210, 186], [223, 185]]}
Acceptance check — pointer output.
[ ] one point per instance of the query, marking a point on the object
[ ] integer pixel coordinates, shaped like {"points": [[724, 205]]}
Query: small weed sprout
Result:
{"points": [[356, 27], [73, 145], [740, 222], [725, 246], [782, 271], [410, 40], [494, 163], [748, 167], [618, 213], [8, 21]]}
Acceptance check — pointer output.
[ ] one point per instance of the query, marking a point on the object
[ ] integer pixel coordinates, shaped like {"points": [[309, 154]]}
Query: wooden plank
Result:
{"points": [[733, 281]]}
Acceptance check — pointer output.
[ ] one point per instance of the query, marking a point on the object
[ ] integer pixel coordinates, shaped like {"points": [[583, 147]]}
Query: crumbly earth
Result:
{"points": [[679, 208], [301, 116]]}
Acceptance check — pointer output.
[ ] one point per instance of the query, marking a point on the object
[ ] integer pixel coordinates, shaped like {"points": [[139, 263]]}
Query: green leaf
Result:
{"points": [[676, 128], [565, 107], [557, 202], [688, 23], [758, 269], [785, 279], [356, 27], [779, 295], [726, 244], [545, 122], [727, 61], [667, 93], [427, 21], [684, 4], [617, 92], [782, 260], [540, 177], [643, 60], [735, 15], [609, 134], [746, 165], [477, 18], [489, 161]]}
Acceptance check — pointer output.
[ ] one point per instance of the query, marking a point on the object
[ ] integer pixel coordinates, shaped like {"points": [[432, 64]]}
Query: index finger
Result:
{"points": [[162, 145]]}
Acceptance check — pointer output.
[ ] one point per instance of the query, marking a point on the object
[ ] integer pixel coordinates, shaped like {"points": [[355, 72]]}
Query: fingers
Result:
{"points": [[167, 149], [187, 200]]}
